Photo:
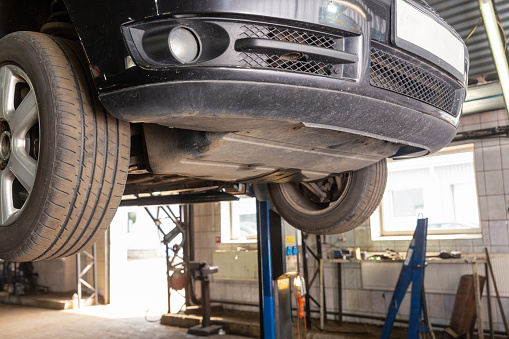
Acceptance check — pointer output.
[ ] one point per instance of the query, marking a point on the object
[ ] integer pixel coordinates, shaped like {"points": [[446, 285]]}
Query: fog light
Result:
{"points": [[184, 45]]}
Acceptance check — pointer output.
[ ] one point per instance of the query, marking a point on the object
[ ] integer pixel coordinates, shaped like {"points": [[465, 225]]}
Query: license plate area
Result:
{"points": [[418, 32]]}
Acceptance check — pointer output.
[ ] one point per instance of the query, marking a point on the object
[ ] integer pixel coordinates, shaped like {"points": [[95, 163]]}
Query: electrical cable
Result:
{"points": [[500, 26], [503, 34], [473, 30], [477, 25]]}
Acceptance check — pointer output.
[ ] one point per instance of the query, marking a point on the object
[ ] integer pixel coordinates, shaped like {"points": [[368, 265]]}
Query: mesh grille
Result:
{"points": [[273, 61], [289, 35], [397, 75]]}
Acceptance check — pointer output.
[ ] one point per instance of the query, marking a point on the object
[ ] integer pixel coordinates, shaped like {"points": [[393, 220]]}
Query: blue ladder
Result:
{"points": [[412, 272]]}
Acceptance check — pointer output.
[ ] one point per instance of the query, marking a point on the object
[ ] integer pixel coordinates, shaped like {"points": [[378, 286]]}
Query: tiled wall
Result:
{"points": [[492, 170], [207, 223], [58, 275]]}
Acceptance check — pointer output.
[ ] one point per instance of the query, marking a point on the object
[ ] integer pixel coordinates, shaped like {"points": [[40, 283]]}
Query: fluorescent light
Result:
{"points": [[497, 46]]}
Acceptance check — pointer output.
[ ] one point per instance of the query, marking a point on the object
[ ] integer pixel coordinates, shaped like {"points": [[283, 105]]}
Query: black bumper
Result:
{"points": [[234, 105], [357, 83]]}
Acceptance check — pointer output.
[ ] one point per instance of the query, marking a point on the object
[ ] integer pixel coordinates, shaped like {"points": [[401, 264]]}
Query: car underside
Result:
{"points": [[296, 102]]}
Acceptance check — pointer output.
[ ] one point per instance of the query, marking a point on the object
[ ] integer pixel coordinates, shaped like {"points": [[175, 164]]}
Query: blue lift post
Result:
{"points": [[267, 316], [277, 265], [412, 272]]}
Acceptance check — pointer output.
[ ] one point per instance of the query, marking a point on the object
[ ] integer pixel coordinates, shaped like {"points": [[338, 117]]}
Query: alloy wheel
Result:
{"points": [[19, 141]]}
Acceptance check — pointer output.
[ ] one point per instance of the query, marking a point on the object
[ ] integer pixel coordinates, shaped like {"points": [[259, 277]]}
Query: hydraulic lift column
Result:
{"points": [[277, 263]]}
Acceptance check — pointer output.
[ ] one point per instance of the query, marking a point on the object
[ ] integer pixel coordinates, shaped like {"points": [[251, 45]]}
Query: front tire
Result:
{"points": [[334, 205], [76, 154]]}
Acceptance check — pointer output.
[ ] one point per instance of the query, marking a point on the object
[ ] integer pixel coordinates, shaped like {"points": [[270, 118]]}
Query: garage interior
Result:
{"points": [[229, 266]]}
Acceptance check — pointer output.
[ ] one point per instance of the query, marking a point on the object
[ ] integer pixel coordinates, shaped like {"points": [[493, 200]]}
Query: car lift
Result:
{"points": [[412, 272], [277, 263]]}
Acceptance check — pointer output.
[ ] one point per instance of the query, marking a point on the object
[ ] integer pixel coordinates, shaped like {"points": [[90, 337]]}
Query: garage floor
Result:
{"points": [[91, 322], [110, 322]]}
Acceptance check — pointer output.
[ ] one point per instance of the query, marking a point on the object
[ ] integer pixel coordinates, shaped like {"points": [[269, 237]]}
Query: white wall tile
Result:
{"points": [[499, 249], [481, 183], [471, 119], [494, 182], [378, 302], [436, 305], [488, 116], [478, 158], [492, 158], [449, 305], [498, 233], [492, 124], [496, 207], [351, 301], [352, 278], [483, 208], [504, 150], [488, 142], [364, 298]]}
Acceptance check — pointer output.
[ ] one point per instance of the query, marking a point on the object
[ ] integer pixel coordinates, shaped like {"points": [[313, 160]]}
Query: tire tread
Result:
{"points": [[89, 174]]}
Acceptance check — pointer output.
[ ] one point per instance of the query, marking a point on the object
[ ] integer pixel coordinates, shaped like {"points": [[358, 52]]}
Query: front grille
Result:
{"points": [[397, 75], [289, 35], [273, 61]]}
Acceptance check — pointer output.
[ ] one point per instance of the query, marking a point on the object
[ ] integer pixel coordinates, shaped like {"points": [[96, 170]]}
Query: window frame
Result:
{"points": [[227, 225], [378, 232]]}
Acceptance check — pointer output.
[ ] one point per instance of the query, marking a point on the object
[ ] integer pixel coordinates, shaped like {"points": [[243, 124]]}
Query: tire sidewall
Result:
{"points": [[16, 49], [336, 220]]}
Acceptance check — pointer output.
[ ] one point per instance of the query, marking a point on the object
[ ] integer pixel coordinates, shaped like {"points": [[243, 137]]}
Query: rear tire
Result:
{"points": [[356, 195], [82, 158]]}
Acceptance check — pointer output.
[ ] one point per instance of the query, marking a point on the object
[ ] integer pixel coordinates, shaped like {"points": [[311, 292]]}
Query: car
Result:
{"points": [[302, 100]]}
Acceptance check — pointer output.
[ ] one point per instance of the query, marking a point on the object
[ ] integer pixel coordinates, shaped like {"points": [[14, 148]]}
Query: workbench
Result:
{"points": [[462, 261]]}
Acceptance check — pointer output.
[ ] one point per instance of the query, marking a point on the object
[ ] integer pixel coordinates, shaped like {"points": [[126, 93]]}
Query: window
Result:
{"points": [[441, 187], [238, 220], [131, 221]]}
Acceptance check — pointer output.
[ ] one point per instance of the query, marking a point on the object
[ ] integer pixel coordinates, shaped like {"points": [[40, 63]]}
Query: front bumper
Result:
{"points": [[220, 101], [386, 94]]}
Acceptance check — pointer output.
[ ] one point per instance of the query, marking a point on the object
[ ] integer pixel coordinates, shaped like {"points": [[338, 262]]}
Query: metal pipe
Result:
{"points": [[488, 299], [96, 288], [306, 279], [497, 46], [340, 296], [78, 277]]}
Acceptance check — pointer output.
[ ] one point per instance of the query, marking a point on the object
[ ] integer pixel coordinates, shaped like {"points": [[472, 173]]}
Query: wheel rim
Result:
{"points": [[317, 198], [19, 141]]}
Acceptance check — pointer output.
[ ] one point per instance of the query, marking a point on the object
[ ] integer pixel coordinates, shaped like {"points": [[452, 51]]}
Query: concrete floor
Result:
{"points": [[90, 322]]}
